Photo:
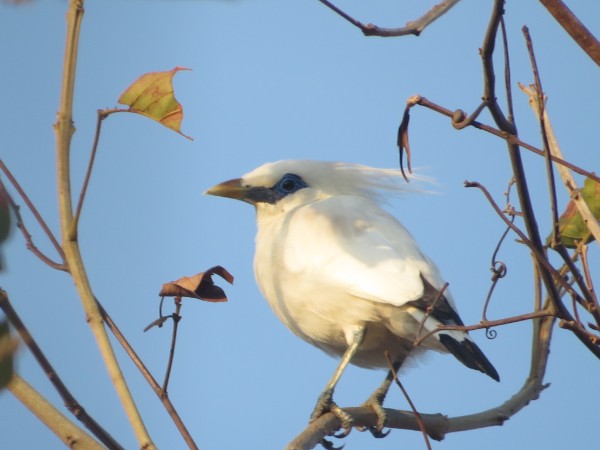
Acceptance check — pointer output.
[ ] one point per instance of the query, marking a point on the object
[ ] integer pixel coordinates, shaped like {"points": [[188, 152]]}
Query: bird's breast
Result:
{"points": [[293, 274]]}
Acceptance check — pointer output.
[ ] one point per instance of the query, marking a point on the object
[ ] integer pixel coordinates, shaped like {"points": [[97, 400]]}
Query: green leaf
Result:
{"points": [[152, 95], [7, 349], [571, 227]]}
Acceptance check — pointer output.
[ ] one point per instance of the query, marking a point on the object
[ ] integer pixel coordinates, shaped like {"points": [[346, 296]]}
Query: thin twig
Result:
{"points": [[510, 138], [507, 82], [546, 267], [90, 166], [176, 318], [414, 27], [547, 272], [431, 307], [164, 398], [541, 117], [408, 399], [489, 76], [486, 324], [33, 209], [459, 121], [540, 256], [25, 232], [583, 250], [70, 402]]}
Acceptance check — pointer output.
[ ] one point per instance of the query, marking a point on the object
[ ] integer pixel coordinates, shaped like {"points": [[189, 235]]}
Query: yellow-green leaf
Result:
{"points": [[152, 95], [571, 227]]}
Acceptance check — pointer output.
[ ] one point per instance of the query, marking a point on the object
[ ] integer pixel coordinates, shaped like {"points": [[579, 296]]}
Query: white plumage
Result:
{"points": [[338, 270]]}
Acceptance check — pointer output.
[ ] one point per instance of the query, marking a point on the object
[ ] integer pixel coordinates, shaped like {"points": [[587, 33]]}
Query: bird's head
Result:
{"points": [[284, 185]]}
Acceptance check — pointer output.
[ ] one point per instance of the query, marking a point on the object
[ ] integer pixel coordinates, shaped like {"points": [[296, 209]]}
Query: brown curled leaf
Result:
{"points": [[403, 143], [199, 286]]}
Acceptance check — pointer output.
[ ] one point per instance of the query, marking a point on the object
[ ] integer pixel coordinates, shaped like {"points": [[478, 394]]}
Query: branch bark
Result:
{"points": [[69, 400], [576, 29], [69, 433], [439, 425], [414, 27], [64, 130]]}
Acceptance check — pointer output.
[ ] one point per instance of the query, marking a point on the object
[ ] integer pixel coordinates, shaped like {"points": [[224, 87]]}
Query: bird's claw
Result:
{"points": [[375, 403], [345, 418], [324, 405], [328, 445], [379, 434]]}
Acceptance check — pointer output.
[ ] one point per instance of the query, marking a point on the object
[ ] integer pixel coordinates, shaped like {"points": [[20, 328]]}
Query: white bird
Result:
{"points": [[343, 274]]}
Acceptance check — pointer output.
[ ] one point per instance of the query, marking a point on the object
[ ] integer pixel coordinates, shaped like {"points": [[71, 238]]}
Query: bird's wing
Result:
{"points": [[351, 245], [355, 245]]}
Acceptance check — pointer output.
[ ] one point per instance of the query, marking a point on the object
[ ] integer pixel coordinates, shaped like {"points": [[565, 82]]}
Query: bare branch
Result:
{"points": [[163, 396], [541, 107], [64, 130], [70, 402], [438, 425], [72, 436], [37, 216], [176, 318], [572, 25], [487, 324], [510, 138], [408, 399], [414, 27]]}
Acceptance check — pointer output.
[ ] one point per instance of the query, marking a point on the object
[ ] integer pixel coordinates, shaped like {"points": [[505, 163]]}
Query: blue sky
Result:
{"points": [[278, 80]]}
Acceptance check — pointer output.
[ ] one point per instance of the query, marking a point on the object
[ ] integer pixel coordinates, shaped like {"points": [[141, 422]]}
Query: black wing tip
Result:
{"points": [[469, 354]]}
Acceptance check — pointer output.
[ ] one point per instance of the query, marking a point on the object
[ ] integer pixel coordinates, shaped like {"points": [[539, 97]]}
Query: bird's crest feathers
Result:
{"points": [[335, 178]]}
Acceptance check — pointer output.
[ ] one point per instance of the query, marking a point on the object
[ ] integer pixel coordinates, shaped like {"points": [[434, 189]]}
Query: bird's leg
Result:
{"points": [[325, 402], [375, 402]]}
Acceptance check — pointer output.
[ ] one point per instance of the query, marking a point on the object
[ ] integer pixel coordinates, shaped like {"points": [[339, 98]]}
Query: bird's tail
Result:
{"points": [[433, 310], [468, 353]]}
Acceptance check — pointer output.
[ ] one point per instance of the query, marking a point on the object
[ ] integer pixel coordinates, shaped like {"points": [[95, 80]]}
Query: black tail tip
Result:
{"points": [[469, 354]]}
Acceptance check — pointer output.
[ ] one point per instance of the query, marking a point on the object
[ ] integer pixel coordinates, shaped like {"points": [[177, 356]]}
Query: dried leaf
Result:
{"points": [[8, 346], [4, 221], [199, 286], [571, 227], [152, 95], [403, 144]]}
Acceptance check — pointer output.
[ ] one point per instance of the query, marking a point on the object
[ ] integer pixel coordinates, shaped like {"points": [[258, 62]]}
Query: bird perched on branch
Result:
{"points": [[346, 276]]}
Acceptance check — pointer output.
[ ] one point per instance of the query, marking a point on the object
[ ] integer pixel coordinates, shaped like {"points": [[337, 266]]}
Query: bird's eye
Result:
{"points": [[289, 184]]}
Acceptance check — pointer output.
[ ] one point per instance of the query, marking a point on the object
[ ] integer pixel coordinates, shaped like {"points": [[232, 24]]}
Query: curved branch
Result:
{"points": [[438, 425]]}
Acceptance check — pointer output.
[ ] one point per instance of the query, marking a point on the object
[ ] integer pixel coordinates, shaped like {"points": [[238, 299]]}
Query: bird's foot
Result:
{"points": [[326, 404], [375, 403]]}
